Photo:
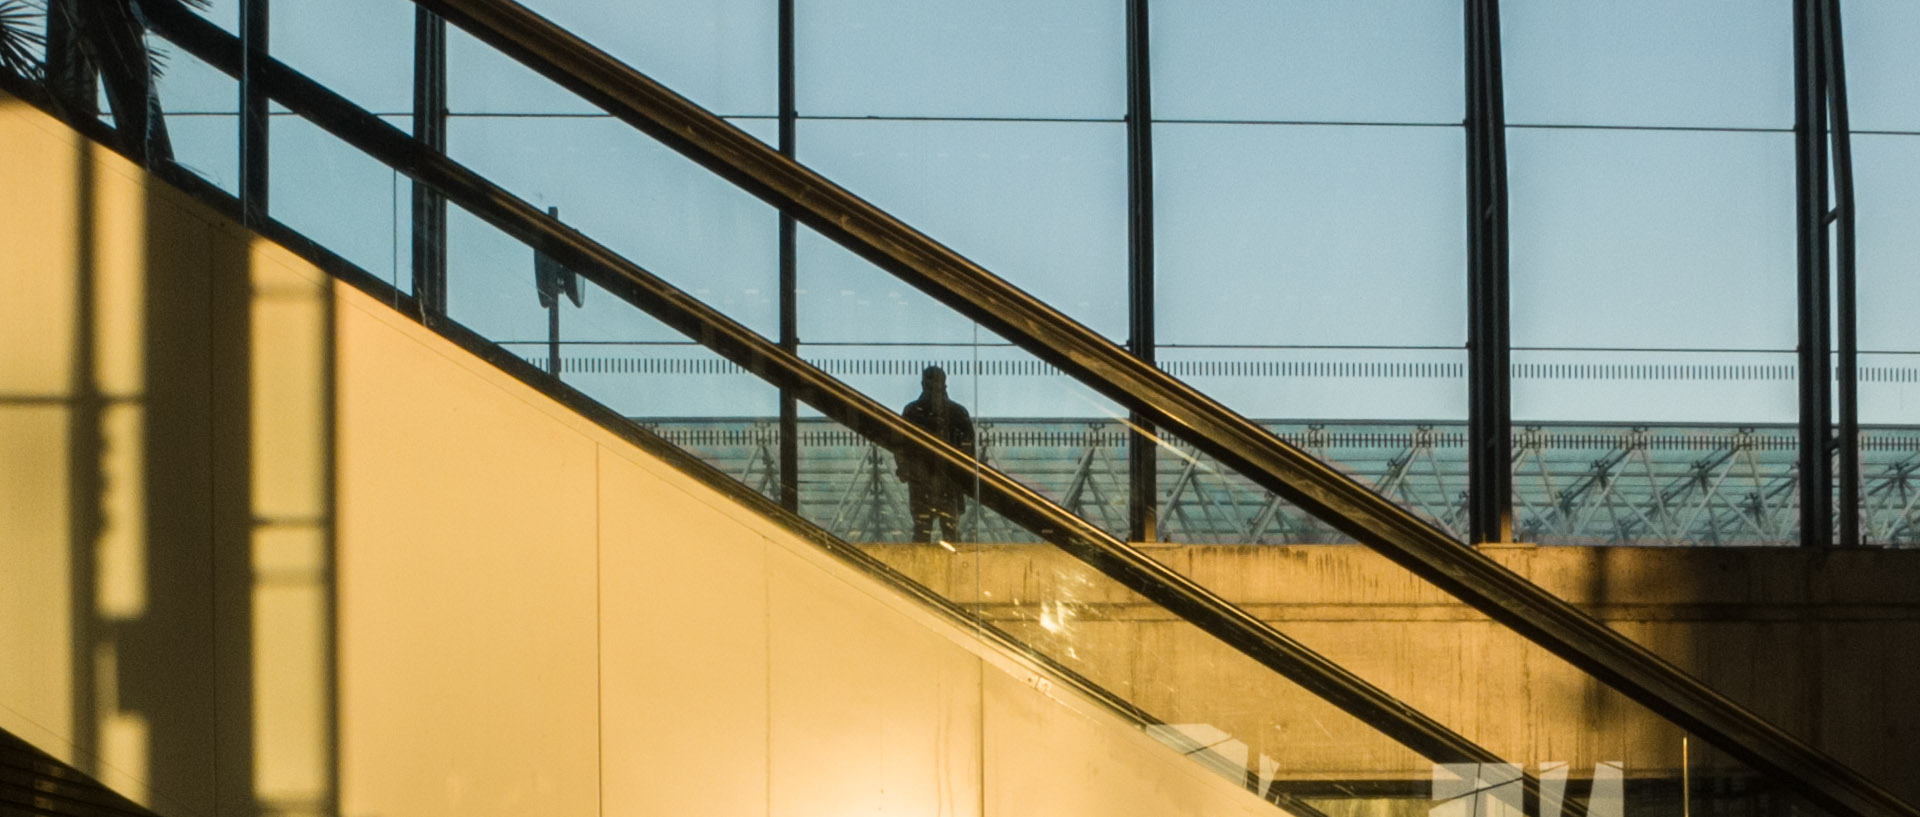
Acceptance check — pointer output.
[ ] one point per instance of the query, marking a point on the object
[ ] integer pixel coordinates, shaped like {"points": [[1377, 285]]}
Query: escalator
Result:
{"points": [[1376, 748]]}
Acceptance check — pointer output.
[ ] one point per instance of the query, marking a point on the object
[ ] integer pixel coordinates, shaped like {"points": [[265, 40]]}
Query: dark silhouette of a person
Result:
{"points": [[932, 494]]}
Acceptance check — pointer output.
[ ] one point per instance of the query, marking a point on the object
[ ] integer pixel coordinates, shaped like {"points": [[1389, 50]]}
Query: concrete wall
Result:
{"points": [[1821, 643], [271, 547]]}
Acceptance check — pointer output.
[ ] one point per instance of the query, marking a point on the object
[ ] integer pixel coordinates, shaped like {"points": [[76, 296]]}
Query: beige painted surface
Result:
{"points": [[467, 587], [685, 595], [1034, 742]]}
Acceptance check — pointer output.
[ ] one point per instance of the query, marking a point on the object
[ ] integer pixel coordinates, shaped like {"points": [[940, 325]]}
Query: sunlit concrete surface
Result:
{"points": [[1819, 643]]}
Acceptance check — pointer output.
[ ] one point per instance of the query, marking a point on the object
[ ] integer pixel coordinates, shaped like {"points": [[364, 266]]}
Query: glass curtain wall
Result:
{"points": [[628, 192], [997, 128], [1310, 242], [1651, 168], [1308, 203]]}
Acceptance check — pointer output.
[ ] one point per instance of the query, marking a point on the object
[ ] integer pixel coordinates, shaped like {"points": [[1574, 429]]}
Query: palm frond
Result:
{"points": [[23, 44]]}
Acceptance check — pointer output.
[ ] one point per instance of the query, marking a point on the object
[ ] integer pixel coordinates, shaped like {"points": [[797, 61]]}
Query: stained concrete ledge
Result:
{"points": [[1822, 643]]}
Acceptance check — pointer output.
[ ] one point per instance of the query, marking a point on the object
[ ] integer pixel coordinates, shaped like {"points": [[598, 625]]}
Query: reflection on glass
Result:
{"points": [[615, 185]]}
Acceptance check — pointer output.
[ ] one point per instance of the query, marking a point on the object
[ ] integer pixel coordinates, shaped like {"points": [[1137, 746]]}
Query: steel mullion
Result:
{"points": [[789, 283], [253, 113], [1489, 425], [1810, 182], [1143, 469], [430, 127], [1847, 444]]}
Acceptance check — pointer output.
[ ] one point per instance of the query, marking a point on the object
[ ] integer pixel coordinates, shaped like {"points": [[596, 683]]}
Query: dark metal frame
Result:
{"points": [[789, 269], [1143, 451], [1815, 361], [1490, 407], [1851, 509], [1823, 146], [253, 114], [842, 403], [1084, 354], [430, 127]]}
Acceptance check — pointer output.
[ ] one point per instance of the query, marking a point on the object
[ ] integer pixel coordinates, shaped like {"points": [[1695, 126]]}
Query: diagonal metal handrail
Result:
{"points": [[866, 230], [840, 402]]}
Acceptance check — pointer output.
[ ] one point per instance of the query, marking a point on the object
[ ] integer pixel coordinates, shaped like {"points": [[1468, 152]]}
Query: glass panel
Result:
{"points": [[201, 105], [1655, 485], [359, 49], [224, 12], [1881, 64], [1353, 61], [346, 201], [1890, 468], [1648, 63], [988, 58], [1315, 275], [872, 331], [1043, 205], [721, 54], [1886, 173], [622, 189], [609, 350], [1651, 173]]}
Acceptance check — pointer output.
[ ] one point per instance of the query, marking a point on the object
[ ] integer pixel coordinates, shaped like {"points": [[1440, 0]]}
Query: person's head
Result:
{"points": [[933, 382]]}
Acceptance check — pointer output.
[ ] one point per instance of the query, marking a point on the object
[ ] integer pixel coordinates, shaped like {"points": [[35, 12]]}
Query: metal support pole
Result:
{"points": [[1845, 300], [1490, 413], [72, 78], [253, 113], [1143, 494], [430, 127], [1810, 182], [553, 338], [789, 275]]}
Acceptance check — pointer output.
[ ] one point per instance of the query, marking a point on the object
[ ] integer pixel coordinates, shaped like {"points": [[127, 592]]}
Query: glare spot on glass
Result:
{"points": [[1053, 617]]}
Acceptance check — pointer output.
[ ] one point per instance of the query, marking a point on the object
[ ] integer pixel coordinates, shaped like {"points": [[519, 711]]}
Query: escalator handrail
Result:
{"points": [[754, 353], [1475, 579]]}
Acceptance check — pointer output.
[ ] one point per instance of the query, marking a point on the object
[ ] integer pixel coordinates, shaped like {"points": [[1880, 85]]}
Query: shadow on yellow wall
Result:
{"points": [[166, 422]]}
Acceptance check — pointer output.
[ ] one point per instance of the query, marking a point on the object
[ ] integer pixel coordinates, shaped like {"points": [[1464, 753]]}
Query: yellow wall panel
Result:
{"points": [[467, 601], [683, 666]]}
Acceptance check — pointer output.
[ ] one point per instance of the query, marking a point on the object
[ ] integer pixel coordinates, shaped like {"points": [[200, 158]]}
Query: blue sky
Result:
{"points": [[1632, 243]]}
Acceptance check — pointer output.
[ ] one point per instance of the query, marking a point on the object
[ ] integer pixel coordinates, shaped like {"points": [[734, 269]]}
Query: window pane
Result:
{"points": [[986, 58], [722, 54], [1351, 61], [1716, 63], [359, 49], [1041, 204]]}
